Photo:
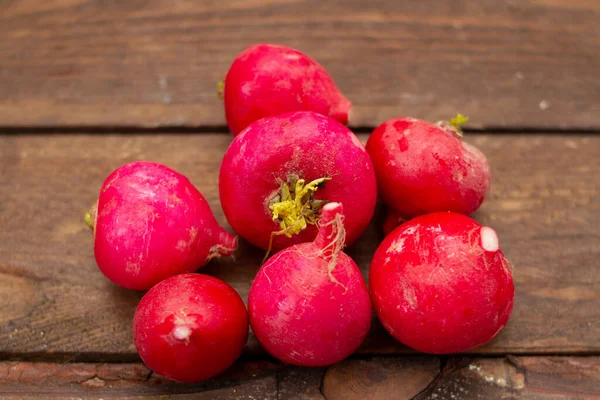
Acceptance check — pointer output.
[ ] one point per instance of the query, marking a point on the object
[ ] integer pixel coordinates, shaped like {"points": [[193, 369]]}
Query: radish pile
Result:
{"points": [[297, 183]]}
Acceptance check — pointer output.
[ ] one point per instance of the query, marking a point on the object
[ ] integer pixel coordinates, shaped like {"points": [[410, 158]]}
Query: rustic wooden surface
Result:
{"points": [[544, 204], [68, 67], [394, 378], [507, 64]]}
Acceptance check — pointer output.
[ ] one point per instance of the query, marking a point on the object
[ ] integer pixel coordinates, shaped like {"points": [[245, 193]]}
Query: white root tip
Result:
{"points": [[182, 332], [489, 239], [331, 207]]}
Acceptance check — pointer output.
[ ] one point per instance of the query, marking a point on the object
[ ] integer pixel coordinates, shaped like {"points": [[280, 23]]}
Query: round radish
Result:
{"points": [[309, 304], [267, 80], [277, 174], [151, 223], [190, 327], [440, 284], [423, 168]]}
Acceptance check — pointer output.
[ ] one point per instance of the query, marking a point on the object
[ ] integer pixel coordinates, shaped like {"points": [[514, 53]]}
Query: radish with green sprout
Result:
{"points": [[279, 172]]}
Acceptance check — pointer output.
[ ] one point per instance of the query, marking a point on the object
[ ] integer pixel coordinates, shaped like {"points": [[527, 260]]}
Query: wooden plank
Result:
{"points": [[517, 64], [544, 205], [529, 378], [25, 380], [379, 378], [295, 383]]}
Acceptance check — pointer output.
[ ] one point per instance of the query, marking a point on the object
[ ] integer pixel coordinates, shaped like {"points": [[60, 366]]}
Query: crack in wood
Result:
{"points": [[427, 390]]}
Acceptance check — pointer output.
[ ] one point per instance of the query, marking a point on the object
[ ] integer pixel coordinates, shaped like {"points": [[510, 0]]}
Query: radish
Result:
{"points": [[440, 284], [392, 220], [423, 168], [309, 304], [151, 223], [266, 80], [190, 327], [277, 174]]}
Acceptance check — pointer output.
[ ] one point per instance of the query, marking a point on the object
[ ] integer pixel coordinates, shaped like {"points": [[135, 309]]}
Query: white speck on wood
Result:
{"points": [[544, 105]]}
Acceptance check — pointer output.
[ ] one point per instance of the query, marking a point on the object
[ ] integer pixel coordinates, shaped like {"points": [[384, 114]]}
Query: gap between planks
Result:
{"points": [[220, 129], [120, 358]]}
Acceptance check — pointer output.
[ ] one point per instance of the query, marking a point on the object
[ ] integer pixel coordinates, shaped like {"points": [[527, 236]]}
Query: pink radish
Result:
{"points": [[190, 327], [151, 223], [277, 174], [267, 80], [423, 168], [309, 304], [440, 284]]}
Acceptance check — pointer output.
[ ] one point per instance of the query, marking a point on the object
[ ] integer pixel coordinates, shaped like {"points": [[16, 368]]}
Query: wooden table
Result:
{"points": [[86, 86]]}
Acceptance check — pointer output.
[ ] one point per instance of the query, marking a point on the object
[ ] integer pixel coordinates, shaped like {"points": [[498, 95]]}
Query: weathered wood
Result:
{"points": [[511, 64], [379, 378], [529, 378], [544, 204], [464, 378], [294, 383], [24, 380]]}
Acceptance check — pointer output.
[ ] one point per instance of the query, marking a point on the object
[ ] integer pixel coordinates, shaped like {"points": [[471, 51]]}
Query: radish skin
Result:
{"points": [[309, 304], [151, 223], [392, 220], [423, 168], [440, 284], [190, 327], [266, 80], [264, 166]]}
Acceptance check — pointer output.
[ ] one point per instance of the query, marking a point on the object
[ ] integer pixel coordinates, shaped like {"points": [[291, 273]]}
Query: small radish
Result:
{"points": [[266, 80], [277, 174], [151, 223], [423, 168], [440, 284], [309, 304], [392, 220], [190, 327]]}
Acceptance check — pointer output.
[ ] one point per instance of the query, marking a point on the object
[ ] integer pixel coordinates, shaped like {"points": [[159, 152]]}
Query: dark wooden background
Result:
{"points": [[87, 85]]}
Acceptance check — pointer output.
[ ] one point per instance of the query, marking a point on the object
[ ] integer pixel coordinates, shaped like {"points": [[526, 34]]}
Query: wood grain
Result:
{"points": [[23, 380], [379, 378], [512, 64], [539, 378], [295, 383], [544, 204]]}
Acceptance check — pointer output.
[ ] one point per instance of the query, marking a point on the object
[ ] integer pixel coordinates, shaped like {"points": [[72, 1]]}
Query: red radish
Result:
{"points": [[266, 80], [309, 304], [190, 327], [423, 168], [277, 174], [151, 223], [440, 284], [392, 220]]}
